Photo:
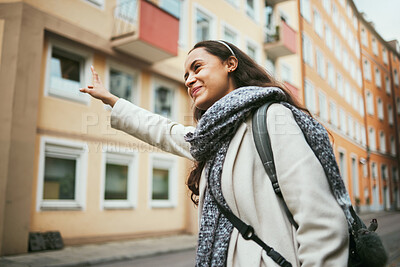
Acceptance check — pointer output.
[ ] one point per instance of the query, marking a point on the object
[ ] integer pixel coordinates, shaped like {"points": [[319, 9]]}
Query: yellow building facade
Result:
{"points": [[63, 168]]}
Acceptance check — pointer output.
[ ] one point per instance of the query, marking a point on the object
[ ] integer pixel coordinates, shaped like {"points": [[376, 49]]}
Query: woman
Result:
{"points": [[226, 86]]}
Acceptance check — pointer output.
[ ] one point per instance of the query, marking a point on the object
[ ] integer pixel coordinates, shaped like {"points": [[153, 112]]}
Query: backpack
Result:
{"points": [[365, 246]]}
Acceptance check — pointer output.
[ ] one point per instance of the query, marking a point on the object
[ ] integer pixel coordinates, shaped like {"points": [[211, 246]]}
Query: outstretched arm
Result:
{"points": [[140, 123]]}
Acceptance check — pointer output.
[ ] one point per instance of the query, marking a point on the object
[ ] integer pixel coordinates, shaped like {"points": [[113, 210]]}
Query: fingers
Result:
{"points": [[95, 75]]}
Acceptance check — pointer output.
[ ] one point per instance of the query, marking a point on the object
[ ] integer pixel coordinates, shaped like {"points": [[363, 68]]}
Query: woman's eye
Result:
{"points": [[196, 67]]}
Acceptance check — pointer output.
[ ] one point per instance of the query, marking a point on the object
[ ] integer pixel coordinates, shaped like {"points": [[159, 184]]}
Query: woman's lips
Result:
{"points": [[195, 90]]}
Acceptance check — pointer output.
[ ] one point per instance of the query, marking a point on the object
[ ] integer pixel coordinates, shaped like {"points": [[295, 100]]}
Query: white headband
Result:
{"points": [[227, 46]]}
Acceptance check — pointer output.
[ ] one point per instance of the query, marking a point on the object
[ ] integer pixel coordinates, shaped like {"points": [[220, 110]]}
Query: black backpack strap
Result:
{"points": [[263, 145], [247, 232]]}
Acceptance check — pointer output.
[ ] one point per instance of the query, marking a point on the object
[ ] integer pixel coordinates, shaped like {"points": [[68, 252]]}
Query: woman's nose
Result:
{"points": [[190, 80]]}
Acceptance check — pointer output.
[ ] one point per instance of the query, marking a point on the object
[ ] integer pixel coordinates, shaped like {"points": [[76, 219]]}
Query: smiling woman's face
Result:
{"points": [[207, 78]]}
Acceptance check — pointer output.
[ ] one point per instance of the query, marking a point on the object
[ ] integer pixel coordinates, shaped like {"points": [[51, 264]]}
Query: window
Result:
{"points": [[385, 56], [357, 48], [355, 22], [318, 23], [354, 177], [357, 131], [229, 34], [363, 136], [67, 71], [351, 126], [335, 14], [390, 114], [378, 78], [286, 73], [305, 9], [327, 5], [382, 142], [333, 114], [164, 99], [370, 103], [62, 174], [251, 9], [396, 77], [374, 46], [348, 10], [163, 181], [372, 139], [203, 26], [307, 50], [331, 75], [252, 50], [177, 9], [328, 37], [392, 146], [342, 26], [323, 107], [339, 83], [123, 82], [374, 170], [320, 63], [367, 70], [384, 171], [309, 96], [343, 121], [364, 38], [387, 85], [338, 49], [342, 166], [347, 92], [361, 106], [398, 105], [355, 99], [346, 60], [359, 77], [380, 108], [119, 179], [233, 2], [353, 69]]}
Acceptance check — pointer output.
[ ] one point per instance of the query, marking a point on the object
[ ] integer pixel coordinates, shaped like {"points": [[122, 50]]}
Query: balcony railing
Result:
{"points": [[281, 42], [144, 30]]}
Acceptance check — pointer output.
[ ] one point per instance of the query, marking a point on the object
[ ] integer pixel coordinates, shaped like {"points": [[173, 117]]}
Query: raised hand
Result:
{"points": [[98, 91]]}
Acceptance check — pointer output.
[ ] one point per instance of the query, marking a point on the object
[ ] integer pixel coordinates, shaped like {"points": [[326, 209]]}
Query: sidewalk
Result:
{"points": [[87, 255]]}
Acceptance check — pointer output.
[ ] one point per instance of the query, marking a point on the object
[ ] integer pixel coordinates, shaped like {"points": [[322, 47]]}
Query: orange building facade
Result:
{"points": [[65, 169]]}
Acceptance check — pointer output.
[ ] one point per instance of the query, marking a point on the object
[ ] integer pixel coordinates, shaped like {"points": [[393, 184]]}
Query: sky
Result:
{"points": [[385, 14]]}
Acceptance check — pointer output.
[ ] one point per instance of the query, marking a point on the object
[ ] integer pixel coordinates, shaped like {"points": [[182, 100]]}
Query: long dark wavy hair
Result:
{"points": [[247, 73]]}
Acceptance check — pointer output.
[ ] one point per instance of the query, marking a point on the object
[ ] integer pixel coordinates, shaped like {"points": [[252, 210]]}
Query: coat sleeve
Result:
{"points": [[322, 236], [151, 128]]}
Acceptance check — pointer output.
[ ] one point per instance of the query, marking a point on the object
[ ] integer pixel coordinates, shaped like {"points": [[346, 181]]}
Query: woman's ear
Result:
{"points": [[231, 63]]}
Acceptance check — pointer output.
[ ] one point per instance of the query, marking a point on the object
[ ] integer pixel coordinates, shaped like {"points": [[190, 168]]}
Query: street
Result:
{"points": [[389, 230]]}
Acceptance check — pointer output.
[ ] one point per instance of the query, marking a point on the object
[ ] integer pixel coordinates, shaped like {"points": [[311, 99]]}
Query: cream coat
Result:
{"points": [[322, 237]]}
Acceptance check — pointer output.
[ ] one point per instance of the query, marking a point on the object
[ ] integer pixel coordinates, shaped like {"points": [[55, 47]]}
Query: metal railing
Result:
{"points": [[272, 37], [125, 18]]}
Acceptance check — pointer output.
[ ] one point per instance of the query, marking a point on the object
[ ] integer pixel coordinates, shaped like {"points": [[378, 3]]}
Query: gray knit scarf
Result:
{"points": [[210, 142]]}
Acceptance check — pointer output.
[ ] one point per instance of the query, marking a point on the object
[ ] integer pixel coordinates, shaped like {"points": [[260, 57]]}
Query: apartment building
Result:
{"points": [[66, 170], [347, 86]]}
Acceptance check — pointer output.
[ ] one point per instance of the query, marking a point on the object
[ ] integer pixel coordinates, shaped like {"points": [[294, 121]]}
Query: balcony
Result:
{"points": [[145, 31], [282, 42]]}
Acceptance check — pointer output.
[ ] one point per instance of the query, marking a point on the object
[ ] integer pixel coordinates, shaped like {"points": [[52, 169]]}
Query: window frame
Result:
{"points": [[84, 72], [70, 149], [226, 26], [169, 162], [207, 13], [171, 86], [136, 94], [120, 156]]}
